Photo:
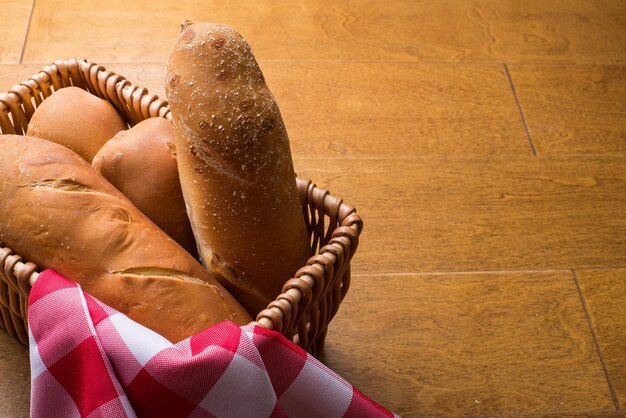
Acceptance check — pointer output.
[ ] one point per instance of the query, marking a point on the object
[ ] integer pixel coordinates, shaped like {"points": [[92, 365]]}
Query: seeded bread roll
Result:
{"points": [[235, 164], [77, 120], [56, 211], [141, 163]]}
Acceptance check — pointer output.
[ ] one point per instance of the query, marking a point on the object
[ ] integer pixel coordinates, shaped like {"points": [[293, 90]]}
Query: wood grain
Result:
{"points": [[15, 16], [337, 110], [376, 109], [446, 30], [424, 215], [15, 381], [499, 344], [592, 414], [573, 109], [12, 74], [604, 292]]}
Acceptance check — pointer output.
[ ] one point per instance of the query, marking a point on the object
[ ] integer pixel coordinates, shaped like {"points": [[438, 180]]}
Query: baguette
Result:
{"points": [[56, 211], [141, 163], [235, 164]]}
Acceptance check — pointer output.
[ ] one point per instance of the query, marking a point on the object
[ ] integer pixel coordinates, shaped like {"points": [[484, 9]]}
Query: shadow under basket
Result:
{"points": [[309, 300]]}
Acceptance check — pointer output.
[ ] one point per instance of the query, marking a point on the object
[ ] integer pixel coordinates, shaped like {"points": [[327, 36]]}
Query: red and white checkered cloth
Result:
{"points": [[88, 360]]}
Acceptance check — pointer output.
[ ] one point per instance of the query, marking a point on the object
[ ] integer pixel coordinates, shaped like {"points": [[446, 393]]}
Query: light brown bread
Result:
{"points": [[56, 211], [141, 163], [77, 120], [235, 163]]}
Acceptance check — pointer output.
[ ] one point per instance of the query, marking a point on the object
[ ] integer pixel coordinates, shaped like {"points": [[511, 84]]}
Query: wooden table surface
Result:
{"points": [[482, 141]]}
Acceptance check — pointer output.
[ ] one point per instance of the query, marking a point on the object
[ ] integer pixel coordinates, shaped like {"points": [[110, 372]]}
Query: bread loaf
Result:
{"points": [[234, 163], [56, 211], [141, 163], [77, 120]]}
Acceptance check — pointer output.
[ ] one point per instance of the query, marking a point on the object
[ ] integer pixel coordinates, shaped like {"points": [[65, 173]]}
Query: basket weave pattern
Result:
{"points": [[309, 300]]}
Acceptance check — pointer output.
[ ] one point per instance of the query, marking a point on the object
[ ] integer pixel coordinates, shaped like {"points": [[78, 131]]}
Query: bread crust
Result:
{"points": [[235, 163], [56, 211], [76, 119], [141, 163]]}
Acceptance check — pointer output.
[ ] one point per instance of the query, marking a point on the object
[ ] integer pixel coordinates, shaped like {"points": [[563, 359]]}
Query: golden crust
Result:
{"points": [[56, 211], [76, 119], [235, 164], [141, 163]]}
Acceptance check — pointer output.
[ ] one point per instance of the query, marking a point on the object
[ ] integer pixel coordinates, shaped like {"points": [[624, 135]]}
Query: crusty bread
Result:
{"points": [[234, 163], [56, 211], [77, 120], [141, 163]]}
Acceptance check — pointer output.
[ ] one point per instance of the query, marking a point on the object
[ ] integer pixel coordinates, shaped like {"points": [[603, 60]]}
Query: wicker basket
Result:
{"points": [[309, 300]]}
